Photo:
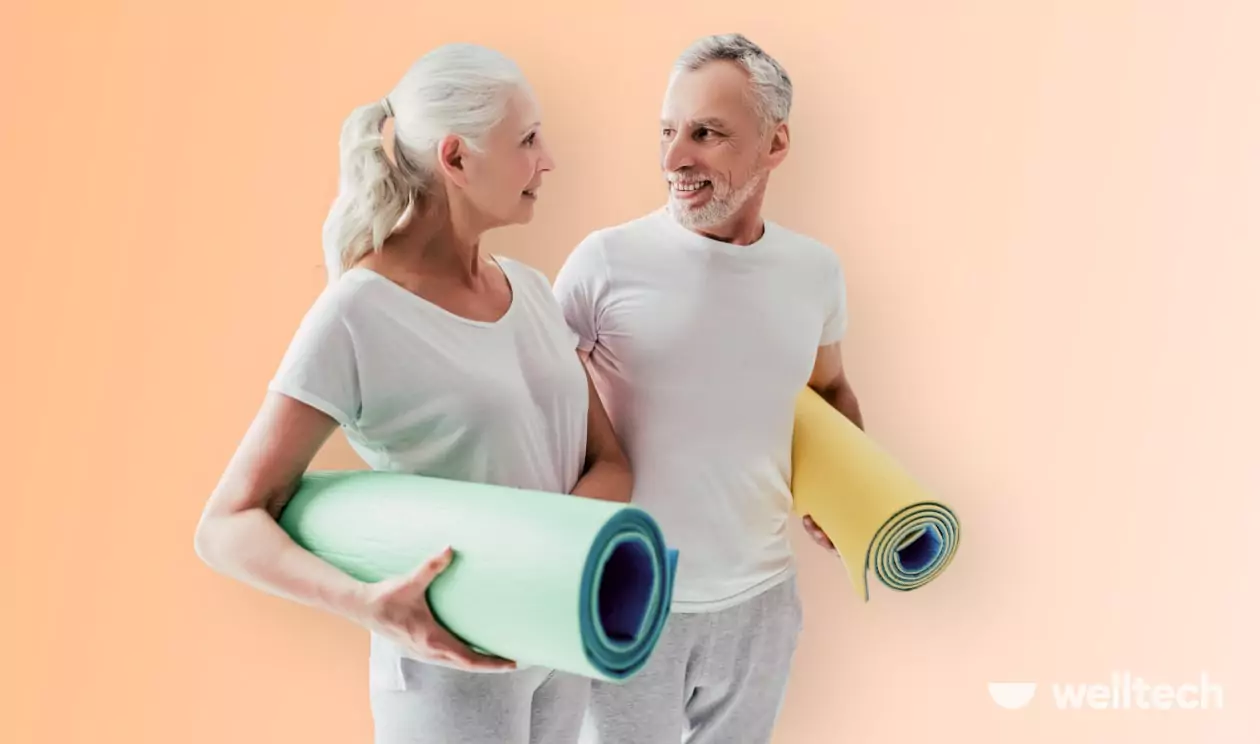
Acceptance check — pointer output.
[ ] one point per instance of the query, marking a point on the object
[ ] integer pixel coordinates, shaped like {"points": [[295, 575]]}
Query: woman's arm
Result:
{"points": [[607, 473], [239, 536]]}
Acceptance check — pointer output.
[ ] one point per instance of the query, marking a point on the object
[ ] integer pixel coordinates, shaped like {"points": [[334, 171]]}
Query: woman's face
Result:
{"points": [[503, 180]]}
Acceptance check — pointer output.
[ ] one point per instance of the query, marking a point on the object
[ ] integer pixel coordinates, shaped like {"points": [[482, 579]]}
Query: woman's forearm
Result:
{"points": [[249, 546]]}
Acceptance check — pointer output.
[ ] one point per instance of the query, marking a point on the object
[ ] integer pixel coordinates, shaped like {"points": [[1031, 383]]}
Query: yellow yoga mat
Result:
{"points": [[876, 514]]}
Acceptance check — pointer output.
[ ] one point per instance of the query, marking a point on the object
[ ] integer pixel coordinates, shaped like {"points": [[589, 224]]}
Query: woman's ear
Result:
{"points": [[451, 159]]}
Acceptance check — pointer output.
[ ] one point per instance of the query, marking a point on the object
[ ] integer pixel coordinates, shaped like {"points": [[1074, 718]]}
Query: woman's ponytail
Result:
{"points": [[373, 194]]}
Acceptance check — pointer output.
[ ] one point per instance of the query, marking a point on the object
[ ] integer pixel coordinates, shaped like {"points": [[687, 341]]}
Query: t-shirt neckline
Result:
{"points": [[702, 242], [436, 308]]}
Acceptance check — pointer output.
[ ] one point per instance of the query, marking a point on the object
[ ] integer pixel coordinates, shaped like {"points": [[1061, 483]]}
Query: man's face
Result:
{"points": [[714, 152]]}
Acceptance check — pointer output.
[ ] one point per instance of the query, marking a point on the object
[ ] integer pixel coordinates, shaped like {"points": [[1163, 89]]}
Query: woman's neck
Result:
{"points": [[438, 243]]}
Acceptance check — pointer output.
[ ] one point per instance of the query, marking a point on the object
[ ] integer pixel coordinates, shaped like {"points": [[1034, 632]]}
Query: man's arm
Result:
{"points": [[830, 381], [832, 384], [607, 473]]}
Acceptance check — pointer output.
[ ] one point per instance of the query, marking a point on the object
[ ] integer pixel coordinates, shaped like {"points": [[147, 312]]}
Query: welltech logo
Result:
{"points": [[1124, 691]]}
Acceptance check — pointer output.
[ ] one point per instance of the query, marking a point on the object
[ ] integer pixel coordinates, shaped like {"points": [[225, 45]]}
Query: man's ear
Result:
{"points": [[780, 141], [451, 159]]}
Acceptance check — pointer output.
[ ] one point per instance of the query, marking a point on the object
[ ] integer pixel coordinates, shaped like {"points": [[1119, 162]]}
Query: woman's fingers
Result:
{"points": [[458, 654]]}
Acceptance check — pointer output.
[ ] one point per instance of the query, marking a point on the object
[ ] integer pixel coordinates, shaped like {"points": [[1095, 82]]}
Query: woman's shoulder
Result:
{"points": [[347, 300], [524, 275], [342, 294]]}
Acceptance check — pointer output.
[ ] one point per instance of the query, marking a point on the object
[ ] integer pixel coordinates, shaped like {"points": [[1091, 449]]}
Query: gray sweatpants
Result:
{"points": [[714, 678], [418, 703]]}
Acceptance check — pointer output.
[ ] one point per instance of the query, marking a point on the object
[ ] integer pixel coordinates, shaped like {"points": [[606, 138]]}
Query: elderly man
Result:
{"points": [[701, 322]]}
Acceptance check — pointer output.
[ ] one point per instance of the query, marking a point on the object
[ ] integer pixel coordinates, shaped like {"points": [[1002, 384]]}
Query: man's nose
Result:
{"points": [[676, 154]]}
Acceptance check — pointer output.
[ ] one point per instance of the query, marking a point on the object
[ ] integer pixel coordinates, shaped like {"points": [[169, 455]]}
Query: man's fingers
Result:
{"points": [[817, 533]]}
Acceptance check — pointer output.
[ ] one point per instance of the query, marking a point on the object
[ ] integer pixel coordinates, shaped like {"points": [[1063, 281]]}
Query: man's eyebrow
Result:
{"points": [[710, 121], [707, 121]]}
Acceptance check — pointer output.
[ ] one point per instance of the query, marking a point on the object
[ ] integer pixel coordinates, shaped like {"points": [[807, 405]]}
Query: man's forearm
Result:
{"points": [[843, 399], [606, 480]]}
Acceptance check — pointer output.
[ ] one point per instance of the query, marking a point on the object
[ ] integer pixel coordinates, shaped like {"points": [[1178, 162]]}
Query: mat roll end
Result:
{"points": [[627, 589], [913, 548], [880, 519]]}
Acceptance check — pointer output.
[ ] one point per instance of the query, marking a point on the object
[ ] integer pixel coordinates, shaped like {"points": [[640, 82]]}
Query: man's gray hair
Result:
{"points": [[771, 86]]}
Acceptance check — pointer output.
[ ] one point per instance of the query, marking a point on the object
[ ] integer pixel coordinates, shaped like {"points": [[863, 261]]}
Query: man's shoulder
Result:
{"points": [[798, 239], [629, 233], [617, 245], [811, 250]]}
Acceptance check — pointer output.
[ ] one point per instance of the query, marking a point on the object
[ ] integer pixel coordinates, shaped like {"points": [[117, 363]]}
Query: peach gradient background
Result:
{"points": [[1050, 216]]}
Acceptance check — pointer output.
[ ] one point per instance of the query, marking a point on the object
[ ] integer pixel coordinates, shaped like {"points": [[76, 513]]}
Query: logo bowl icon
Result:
{"points": [[1012, 695]]}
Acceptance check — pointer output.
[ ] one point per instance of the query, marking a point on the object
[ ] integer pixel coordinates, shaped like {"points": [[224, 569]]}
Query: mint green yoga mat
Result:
{"points": [[543, 579]]}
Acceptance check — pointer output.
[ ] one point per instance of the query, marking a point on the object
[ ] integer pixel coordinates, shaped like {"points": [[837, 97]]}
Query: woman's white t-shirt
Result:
{"points": [[418, 389]]}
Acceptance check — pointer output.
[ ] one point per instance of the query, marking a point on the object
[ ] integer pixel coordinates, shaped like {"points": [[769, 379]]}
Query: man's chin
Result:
{"points": [[694, 216]]}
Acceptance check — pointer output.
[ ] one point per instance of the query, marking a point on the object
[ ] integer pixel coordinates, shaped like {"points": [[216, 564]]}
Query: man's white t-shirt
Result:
{"points": [[699, 351], [418, 389]]}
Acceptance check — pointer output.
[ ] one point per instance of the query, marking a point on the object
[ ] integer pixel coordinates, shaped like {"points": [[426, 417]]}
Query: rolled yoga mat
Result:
{"points": [[876, 514], [543, 579]]}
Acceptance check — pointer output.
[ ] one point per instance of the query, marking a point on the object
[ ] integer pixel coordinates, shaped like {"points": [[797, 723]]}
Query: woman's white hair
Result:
{"points": [[456, 89], [771, 86]]}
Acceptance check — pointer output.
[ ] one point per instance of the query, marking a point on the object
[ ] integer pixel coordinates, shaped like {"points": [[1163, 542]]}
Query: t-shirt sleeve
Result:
{"points": [[835, 298], [319, 367], [541, 285], [579, 286]]}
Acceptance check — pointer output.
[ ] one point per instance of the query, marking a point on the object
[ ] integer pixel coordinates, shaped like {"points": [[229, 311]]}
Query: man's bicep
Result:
{"points": [[578, 313], [828, 369], [577, 288], [836, 302], [831, 382]]}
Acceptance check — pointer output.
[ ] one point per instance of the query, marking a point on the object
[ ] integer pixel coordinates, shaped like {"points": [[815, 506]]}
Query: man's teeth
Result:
{"points": [[695, 186]]}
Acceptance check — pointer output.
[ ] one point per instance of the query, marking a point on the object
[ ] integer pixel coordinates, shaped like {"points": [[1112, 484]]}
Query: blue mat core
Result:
{"points": [[625, 590], [922, 551]]}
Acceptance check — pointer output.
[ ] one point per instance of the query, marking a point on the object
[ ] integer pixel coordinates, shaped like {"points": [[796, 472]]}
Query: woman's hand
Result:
{"points": [[398, 609]]}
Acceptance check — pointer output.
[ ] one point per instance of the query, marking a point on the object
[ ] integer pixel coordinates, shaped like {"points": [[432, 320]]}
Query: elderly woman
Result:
{"points": [[434, 359]]}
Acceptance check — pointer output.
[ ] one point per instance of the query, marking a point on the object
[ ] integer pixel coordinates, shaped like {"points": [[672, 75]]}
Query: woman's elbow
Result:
{"points": [[206, 541], [216, 538]]}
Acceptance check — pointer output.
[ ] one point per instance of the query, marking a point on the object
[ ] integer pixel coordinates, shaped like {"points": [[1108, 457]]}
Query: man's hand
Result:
{"points": [[818, 535]]}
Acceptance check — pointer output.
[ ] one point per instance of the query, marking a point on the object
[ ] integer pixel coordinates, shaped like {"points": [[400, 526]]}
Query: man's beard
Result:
{"points": [[722, 203]]}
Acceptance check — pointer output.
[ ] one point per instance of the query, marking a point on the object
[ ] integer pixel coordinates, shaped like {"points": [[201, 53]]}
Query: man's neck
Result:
{"points": [[741, 229]]}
